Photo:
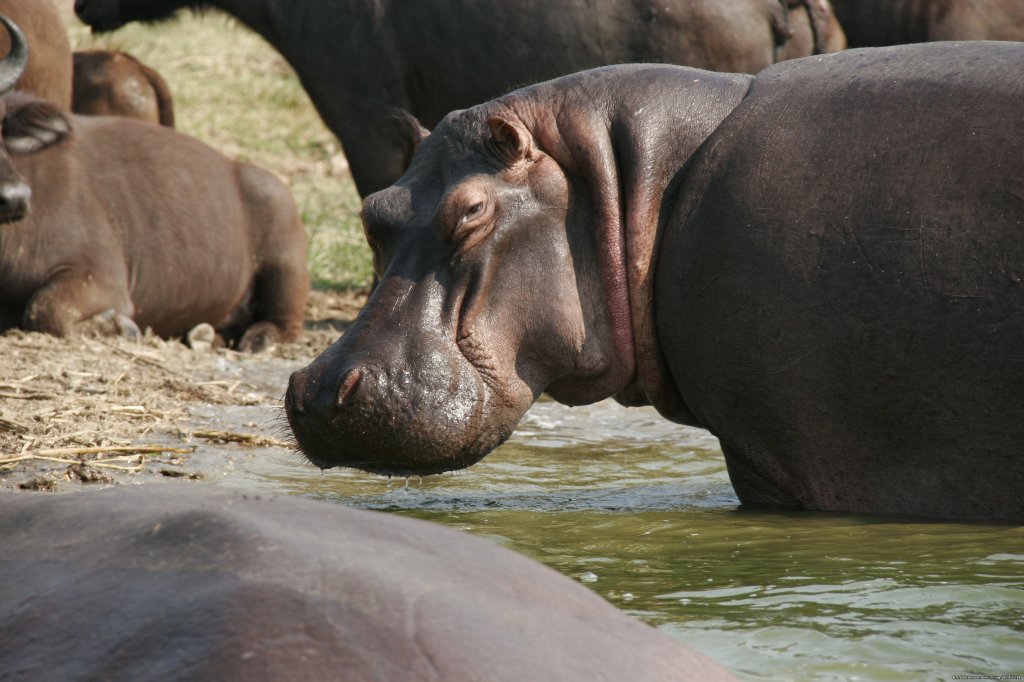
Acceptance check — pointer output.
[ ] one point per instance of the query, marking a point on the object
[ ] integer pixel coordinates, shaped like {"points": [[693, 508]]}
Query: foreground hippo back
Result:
{"points": [[192, 582], [839, 291]]}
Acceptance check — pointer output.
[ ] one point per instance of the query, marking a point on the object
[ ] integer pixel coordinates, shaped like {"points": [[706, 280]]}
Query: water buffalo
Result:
{"points": [[142, 222], [113, 83], [361, 59], [894, 22], [214, 584], [48, 73], [831, 284]]}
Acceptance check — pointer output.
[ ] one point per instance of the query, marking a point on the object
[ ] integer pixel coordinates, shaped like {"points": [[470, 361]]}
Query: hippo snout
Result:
{"points": [[401, 422]]}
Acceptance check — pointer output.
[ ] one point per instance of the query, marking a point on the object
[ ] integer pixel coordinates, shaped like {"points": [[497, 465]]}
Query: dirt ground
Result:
{"points": [[85, 410]]}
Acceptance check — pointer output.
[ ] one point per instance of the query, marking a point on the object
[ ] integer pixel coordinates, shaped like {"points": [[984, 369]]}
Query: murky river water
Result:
{"points": [[641, 510]]}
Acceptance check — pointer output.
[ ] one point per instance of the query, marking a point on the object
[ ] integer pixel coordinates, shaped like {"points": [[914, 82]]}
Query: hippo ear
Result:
{"points": [[31, 125], [510, 139]]}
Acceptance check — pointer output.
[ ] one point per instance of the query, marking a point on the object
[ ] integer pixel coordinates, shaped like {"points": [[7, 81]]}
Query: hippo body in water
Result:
{"points": [[821, 264]]}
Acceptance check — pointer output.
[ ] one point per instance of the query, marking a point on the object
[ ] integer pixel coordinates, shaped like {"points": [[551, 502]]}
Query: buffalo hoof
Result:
{"points": [[201, 338], [110, 323], [260, 337]]}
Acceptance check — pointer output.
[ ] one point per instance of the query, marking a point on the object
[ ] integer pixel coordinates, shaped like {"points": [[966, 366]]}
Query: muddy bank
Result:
{"points": [[87, 410]]}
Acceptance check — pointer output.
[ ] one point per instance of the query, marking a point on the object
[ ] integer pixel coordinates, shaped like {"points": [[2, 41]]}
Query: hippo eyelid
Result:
{"points": [[472, 227], [473, 210]]}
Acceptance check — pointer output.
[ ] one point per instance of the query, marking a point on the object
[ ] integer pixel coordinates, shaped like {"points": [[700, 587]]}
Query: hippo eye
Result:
{"points": [[472, 225]]}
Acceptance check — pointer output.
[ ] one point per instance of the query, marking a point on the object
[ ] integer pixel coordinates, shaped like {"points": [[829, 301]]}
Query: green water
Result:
{"points": [[641, 511]]}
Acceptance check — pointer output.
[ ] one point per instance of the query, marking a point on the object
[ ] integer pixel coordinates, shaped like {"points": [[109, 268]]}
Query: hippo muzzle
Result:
{"points": [[401, 409]]}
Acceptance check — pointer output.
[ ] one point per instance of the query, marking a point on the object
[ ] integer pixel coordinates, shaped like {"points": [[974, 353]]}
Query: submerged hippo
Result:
{"points": [[172, 582], [822, 265]]}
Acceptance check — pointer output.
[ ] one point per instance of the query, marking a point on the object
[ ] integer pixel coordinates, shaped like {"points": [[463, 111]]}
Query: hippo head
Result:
{"points": [[502, 263], [110, 15], [481, 306], [28, 125]]}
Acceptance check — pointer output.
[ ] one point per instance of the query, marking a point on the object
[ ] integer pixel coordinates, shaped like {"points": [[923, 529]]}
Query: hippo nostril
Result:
{"points": [[293, 402], [349, 386]]}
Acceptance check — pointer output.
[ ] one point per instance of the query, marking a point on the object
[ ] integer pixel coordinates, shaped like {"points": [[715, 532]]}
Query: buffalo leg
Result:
{"points": [[281, 283], [71, 297]]}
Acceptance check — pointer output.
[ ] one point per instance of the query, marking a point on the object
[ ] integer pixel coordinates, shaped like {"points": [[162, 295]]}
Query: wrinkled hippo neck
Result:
{"points": [[629, 131]]}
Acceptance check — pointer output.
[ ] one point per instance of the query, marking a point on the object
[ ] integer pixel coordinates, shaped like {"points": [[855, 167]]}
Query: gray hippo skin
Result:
{"points": [[360, 60], [172, 582], [831, 285], [893, 22]]}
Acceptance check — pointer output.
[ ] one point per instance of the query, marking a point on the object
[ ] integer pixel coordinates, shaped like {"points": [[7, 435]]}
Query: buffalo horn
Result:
{"points": [[13, 65]]}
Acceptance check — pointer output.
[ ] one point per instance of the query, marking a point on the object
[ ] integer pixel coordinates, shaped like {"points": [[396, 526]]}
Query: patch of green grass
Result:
{"points": [[236, 93]]}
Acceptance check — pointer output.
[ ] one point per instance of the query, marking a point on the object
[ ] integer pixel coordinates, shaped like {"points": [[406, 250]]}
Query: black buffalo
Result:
{"points": [[360, 59]]}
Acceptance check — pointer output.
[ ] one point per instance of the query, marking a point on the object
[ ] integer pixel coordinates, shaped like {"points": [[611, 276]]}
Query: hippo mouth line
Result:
{"points": [[477, 354]]}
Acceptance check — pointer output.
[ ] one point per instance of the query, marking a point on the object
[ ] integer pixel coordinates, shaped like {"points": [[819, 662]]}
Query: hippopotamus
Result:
{"points": [[186, 582], [139, 226], [820, 264]]}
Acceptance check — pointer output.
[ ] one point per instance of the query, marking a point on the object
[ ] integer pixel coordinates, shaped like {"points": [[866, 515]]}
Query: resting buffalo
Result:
{"points": [[112, 83], [171, 582], [141, 221], [894, 22], [48, 73], [832, 284], [361, 59]]}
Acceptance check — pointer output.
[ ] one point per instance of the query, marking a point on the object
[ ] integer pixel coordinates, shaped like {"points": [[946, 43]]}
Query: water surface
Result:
{"points": [[642, 512]]}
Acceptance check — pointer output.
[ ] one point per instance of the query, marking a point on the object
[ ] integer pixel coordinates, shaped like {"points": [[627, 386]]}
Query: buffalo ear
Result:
{"points": [[33, 125], [510, 139], [412, 132]]}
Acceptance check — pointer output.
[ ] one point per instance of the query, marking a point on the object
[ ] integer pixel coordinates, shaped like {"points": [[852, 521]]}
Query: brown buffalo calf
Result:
{"points": [[151, 224], [112, 83], [140, 224]]}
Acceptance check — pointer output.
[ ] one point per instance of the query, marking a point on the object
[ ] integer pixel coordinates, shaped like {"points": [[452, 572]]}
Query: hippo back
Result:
{"points": [[840, 290], [215, 584]]}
